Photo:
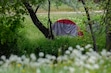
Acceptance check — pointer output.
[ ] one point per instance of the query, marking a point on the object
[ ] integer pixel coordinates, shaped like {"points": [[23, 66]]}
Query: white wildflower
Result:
{"points": [[70, 48], [33, 57], [3, 57], [37, 64], [88, 66], [90, 49], [34, 64], [41, 60], [19, 60], [78, 46], [1, 62], [48, 56], [67, 52], [23, 57], [59, 59], [13, 58], [71, 69], [65, 57], [77, 53], [84, 57], [48, 61], [81, 63], [77, 61], [109, 53], [26, 61], [41, 54], [91, 60], [81, 49], [88, 46], [104, 52], [96, 66], [96, 54], [6, 64], [72, 56], [53, 57]]}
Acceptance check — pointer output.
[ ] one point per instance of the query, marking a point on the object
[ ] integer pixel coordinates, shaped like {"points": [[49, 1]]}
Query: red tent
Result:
{"points": [[66, 27]]}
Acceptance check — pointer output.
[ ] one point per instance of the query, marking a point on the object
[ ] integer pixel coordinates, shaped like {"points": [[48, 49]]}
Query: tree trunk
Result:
{"points": [[36, 21], [49, 21], [108, 25], [90, 25]]}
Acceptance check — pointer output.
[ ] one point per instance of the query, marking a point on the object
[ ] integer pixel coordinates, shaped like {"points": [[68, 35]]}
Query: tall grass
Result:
{"points": [[32, 40]]}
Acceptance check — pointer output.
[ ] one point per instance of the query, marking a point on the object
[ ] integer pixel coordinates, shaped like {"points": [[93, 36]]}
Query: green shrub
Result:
{"points": [[9, 26]]}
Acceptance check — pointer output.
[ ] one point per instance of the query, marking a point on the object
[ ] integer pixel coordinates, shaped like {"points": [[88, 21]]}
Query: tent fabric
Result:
{"points": [[66, 21], [65, 27]]}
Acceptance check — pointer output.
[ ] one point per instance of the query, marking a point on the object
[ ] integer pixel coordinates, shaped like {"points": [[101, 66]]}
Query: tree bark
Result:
{"points": [[49, 22], [37, 8], [108, 25], [90, 25], [36, 21]]}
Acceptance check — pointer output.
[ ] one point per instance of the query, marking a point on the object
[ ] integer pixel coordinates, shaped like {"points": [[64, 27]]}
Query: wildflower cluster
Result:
{"points": [[73, 61]]}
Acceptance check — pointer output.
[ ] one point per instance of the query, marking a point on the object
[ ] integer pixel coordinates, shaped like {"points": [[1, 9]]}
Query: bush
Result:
{"points": [[9, 27]]}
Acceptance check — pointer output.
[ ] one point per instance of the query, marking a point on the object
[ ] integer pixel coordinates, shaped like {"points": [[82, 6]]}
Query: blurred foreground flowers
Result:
{"points": [[72, 61]]}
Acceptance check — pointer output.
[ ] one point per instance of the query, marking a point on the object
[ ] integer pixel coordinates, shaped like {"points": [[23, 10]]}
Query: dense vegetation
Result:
{"points": [[17, 41], [26, 45], [20, 36], [30, 39]]}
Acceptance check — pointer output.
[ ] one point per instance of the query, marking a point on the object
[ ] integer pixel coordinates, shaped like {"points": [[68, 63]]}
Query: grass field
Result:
{"points": [[34, 41]]}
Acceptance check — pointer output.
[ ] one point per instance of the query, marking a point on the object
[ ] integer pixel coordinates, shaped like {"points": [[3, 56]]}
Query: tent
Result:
{"points": [[66, 27]]}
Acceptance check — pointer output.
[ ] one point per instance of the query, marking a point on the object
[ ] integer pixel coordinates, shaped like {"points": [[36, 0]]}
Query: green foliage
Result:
{"points": [[34, 41], [10, 21], [8, 34], [60, 43], [15, 39]]}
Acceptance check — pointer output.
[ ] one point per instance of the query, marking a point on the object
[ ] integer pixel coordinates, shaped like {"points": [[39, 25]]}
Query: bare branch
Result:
{"points": [[36, 21], [49, 21], [37, 8], [90, 25]]}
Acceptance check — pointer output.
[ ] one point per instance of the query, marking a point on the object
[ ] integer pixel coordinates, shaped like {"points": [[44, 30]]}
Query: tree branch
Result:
{"points": [[37, 8], [49, 21], [36, 21], [90, 25]]}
